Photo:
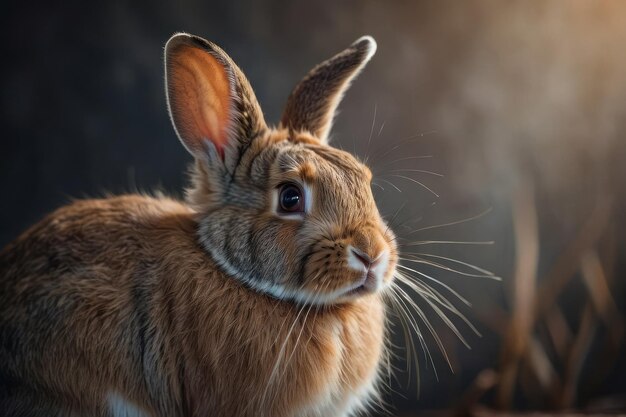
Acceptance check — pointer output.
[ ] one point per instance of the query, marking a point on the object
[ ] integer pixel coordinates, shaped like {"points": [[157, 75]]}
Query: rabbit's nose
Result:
{"points": [[365, 260], [356, 256]]}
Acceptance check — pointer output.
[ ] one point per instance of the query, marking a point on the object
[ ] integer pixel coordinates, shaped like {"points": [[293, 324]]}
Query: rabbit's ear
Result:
{"points": [[209, 99], [312, 104]]}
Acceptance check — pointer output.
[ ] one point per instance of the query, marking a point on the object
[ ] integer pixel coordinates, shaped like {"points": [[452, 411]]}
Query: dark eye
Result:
{"points": [[290, 199]]}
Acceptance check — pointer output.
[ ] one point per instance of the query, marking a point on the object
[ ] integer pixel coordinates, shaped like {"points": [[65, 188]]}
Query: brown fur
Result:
{"points": [[311, 106], [151, 316], [217, 306]]}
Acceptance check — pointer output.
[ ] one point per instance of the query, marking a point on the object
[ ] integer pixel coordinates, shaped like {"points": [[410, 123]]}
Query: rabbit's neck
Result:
{"points": [[277, 355]]}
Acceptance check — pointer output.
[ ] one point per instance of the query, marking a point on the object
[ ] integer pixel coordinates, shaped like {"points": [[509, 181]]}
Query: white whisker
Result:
{"points": [[415, 181], [378, 185], [431, 294], [469, 219], [423, 171], [447, 242], [405, 312], [447, 287], [382, 126], [390, 183], [407, 158], [431, 329], [416, 259]]}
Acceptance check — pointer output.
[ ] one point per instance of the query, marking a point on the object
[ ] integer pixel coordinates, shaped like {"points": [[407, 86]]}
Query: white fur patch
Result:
{"points": [[308, 197], [121, 407], [380, 269]]}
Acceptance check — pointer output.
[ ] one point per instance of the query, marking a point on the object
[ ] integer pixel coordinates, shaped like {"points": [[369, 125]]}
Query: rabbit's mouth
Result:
{"points": [[372, 274], [366, 285]]}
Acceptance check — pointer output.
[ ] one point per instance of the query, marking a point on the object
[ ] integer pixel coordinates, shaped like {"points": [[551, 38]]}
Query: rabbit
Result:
{"points": [[261, 294]]}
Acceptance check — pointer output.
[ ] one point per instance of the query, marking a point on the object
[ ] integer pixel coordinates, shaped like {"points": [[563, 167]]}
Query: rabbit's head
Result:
{"points": [[278, 208]]}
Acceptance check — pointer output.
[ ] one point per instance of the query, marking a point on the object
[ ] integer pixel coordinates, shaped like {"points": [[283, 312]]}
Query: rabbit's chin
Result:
{"points": [[303, 296]]}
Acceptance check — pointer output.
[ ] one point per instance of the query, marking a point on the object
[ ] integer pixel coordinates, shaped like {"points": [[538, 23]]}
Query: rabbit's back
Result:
{"points": [[76, 294]]}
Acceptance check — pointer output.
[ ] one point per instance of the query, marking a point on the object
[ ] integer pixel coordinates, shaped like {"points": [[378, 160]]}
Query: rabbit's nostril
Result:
{"points": [[364, 258]]}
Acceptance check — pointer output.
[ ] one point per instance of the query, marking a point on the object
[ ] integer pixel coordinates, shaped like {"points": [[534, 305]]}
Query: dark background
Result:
{"points": [[518, 104]]}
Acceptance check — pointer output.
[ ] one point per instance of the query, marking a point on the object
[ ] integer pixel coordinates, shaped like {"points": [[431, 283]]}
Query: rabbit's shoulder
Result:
{"points": [[107, 231]]}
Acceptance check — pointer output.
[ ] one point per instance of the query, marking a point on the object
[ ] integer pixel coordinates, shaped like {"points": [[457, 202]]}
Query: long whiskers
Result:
{"points": [[309, 303], [416, 259], [447, 242], [428, 277], [435, 299], [390, 183], [406, 158], [409, 323], [280, 354], [414, 280], [436, 226], [414, 181], [410, 306], [312, 301], [422, 171]]}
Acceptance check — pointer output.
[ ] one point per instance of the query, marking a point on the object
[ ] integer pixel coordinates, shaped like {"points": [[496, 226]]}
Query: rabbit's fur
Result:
{"points": [[223, 305]]}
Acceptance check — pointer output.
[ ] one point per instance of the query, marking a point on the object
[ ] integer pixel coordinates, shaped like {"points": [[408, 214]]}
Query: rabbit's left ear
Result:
{"points": [[312, 104], [211, 103]]}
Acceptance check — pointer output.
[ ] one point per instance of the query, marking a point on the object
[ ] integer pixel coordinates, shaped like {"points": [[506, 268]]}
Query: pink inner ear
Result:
{"points": [[200, 98]]}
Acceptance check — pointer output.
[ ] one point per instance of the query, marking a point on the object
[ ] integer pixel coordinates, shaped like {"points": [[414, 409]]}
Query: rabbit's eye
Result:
{"points": [[291, 199]]}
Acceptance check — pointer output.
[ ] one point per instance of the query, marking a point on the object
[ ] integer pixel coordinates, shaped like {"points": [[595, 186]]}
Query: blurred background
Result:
{"points": [[496, 131]]}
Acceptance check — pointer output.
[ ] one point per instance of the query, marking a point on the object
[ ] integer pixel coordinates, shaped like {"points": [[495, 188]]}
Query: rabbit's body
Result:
{"points": [[112, 302], [258, 296]]}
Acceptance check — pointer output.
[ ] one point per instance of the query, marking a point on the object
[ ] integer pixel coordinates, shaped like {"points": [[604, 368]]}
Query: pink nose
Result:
{"points": [[365, 259]]}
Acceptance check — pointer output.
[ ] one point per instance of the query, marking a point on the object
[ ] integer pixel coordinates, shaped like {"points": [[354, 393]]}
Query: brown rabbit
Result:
{"points": [[261, 295]]}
